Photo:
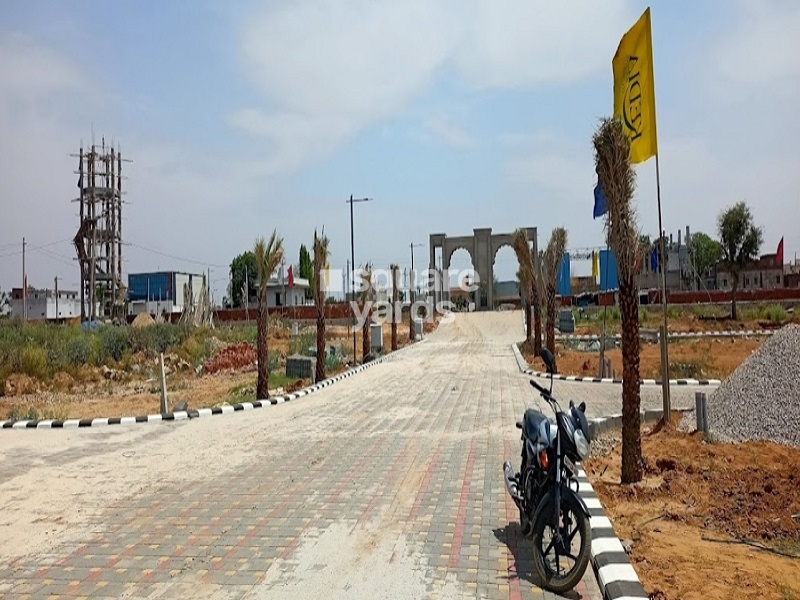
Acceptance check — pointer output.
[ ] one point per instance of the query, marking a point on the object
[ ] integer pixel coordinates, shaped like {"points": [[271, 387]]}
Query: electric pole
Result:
{"points": [[24, 285], [353, 260]]}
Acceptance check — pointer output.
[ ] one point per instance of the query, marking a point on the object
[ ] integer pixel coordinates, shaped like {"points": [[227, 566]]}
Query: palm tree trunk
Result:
{"points": [[262, 350], [631, 435], [537, 320], [551, 319], [394, 323], [319, 373], [733, 297], [366, 342], [526, 303]]}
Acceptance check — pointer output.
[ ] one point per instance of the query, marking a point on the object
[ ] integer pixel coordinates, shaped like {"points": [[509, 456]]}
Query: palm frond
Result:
{"points": [[618, 180], [268, 256]]}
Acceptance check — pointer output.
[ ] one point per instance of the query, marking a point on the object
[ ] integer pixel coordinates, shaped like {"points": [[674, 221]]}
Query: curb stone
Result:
{"points": [[727, 333], [526, 370], [615, 575], [201, 412]]}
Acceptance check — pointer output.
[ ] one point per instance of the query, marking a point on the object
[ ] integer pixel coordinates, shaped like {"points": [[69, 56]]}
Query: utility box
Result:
{"points": [[301, 367], [294, 329], [376, 337], [566, 321], [418, 329]]}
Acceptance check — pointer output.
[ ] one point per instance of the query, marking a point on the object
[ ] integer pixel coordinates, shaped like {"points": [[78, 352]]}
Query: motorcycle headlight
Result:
{"points": [[581, 444]]}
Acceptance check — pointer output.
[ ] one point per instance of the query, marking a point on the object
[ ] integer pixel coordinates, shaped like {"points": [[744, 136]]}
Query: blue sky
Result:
{"points": [[453, 115]]}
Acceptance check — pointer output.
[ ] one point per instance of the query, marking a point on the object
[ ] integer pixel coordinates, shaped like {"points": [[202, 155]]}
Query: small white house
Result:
{"points": [[280, 293], [46, 305]]}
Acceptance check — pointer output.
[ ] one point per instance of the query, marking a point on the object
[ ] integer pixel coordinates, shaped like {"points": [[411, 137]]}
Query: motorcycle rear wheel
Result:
{"points": [[560, 570]]}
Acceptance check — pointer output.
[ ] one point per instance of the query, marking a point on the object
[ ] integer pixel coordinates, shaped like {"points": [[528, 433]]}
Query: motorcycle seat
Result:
{"points": [[531, 422]]}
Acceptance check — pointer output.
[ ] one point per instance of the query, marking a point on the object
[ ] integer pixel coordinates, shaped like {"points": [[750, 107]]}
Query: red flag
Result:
{"points": [[291, 277], [779, 253]]}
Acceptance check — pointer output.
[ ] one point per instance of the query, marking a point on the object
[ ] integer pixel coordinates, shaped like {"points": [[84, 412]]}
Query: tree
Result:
{"points": [[395, 269], [243, 267], [529, 287], [706, 252], [553, 255], [366, 296], [618, 181], [268, 256], [306, 269], [741, 241], [321, 254]]}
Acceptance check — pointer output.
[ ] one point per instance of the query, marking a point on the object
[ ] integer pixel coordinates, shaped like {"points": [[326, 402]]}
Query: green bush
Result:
{"points": [[300, 344], [78, 350], [112, 343], [775, 313], [33, 362]]}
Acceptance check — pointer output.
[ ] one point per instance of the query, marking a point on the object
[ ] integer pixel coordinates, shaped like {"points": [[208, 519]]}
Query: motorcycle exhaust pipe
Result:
{"points": [[511, 481]]}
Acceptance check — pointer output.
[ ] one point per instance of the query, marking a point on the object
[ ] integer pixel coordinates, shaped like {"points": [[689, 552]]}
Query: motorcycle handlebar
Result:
{"points": [[538, 387]]}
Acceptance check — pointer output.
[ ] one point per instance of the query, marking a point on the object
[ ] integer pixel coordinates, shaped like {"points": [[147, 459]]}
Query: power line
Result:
{"points": [[172, 256]]}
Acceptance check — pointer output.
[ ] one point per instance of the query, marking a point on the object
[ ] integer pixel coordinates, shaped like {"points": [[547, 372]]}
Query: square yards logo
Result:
{"points": [[376, 291]]}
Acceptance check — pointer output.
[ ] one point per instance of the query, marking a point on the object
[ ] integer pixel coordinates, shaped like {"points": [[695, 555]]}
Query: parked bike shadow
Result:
{"points": [[522, 551]]}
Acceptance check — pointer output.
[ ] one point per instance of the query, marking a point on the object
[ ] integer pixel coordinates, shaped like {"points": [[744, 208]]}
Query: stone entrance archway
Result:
{"points": [[482, 247]]}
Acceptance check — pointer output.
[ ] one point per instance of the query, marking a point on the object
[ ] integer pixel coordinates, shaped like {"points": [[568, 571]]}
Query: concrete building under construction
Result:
{"points": [[99, 238]]}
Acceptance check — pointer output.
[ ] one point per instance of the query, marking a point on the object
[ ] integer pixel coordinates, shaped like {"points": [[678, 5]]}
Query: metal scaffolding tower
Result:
{"points": [[99, 238]]}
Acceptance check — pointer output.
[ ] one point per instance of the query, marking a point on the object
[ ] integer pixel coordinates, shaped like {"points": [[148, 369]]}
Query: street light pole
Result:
{"points": [[353, 259]]}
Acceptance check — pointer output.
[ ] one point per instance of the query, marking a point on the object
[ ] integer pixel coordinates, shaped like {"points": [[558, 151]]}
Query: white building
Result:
{"points": [[46, 305], [279, 293], [162, 292]]}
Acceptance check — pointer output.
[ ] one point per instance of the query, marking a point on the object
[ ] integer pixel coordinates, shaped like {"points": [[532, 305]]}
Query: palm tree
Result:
{"points": [[553, 256], [366, 297], [618, 181], [321, 254], [529, 287], [268, 257], [395, 292]]}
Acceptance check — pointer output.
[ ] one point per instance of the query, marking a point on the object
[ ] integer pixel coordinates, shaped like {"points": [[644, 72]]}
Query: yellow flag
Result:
{"points": [[634, 89]]}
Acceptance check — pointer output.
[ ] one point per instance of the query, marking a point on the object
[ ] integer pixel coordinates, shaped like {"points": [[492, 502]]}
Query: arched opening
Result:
{"points": [[462, 277], [505, 287]]}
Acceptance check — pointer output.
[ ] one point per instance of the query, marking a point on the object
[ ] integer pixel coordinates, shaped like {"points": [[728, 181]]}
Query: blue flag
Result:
{"points": [[600, 201]]}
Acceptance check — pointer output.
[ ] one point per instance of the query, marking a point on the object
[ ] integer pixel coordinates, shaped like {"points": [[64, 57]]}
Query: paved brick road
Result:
{"points": [[386, 485]]}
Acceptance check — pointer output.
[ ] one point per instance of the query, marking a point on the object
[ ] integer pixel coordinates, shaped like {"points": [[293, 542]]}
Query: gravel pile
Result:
{"points": [[761, 399]]}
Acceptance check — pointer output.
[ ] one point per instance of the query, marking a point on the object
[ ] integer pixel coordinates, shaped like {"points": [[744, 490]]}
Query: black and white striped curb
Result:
{"points": [[569, 337], [615, 575], [523, 366], [201, 412]]}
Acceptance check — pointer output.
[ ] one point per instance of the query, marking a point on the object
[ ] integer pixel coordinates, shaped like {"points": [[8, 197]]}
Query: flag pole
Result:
{"points": [[667, 407]]}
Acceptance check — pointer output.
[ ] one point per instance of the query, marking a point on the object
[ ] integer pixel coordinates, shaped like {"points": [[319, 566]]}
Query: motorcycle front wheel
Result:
{"points": [[561, 557]]}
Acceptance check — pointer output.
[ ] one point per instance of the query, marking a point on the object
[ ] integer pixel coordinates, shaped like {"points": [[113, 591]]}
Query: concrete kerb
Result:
{"points": [[525, 369], [615, 575], [202, 412]]}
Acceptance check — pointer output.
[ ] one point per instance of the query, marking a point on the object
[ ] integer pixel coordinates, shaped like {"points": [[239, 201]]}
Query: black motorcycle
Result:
{"points": [[551, 512]]}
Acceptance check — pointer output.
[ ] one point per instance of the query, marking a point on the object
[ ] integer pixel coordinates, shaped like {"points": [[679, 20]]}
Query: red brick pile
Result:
{"points": [[231, 358]]}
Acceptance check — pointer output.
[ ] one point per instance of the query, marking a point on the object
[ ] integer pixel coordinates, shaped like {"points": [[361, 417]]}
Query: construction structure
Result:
{"points": [[99, 238]]}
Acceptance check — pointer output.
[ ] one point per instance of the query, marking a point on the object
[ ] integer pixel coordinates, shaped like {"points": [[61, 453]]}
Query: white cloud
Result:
{"points": [[443, 128], [761, 50], [31, 71], [329, 69], [519, 43]]}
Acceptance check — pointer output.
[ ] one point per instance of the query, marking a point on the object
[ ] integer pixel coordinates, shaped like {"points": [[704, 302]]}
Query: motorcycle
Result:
{"points": [[545, 489]]}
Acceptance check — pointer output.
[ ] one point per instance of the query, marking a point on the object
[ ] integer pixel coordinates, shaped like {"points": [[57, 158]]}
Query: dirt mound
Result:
{"points": [[702, 504], [63, 381], [231, 358], [761, 399], [143, 320], [19, 384]]}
